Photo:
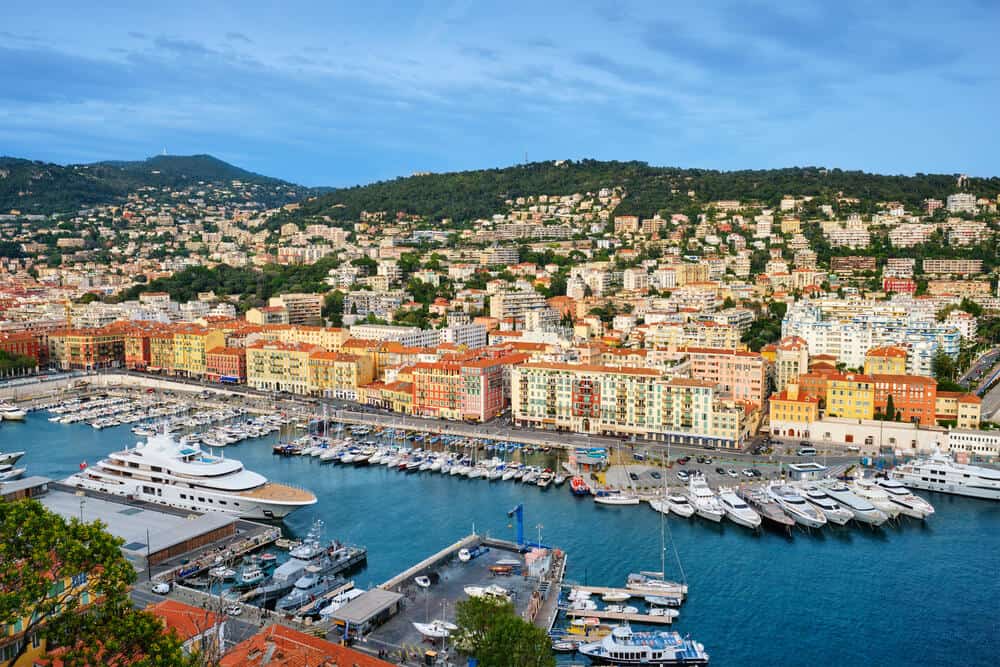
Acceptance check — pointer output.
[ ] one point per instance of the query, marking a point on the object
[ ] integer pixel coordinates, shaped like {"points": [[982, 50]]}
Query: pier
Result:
{"points": [[672, 590], [430, 562]]}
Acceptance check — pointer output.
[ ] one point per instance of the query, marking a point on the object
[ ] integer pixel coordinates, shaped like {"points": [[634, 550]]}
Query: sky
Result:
{"points": [[339, 93]]}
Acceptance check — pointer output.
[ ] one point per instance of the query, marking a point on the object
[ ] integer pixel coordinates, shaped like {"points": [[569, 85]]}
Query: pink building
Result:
{"points": [[738, 374]]}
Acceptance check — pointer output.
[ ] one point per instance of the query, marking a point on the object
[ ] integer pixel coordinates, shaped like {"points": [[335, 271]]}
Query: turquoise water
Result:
{"points": [[914, 594]]}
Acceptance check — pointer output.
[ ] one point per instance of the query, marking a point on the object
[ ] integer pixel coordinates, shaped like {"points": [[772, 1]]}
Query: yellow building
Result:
{"points": [[337, 375], [161, 350], [851, 396], [890, 360], [792, 412], [13, 635], [191, 343], [963, 409], [276, 366]]}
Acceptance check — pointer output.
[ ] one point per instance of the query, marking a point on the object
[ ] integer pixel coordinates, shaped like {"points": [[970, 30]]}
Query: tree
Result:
{"points": [[490, 631], [39, 552], [890, 409], [943, 366]]}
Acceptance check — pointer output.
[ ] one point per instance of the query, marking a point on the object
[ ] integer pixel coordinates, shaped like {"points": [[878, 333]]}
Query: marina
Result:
{"points": [[727, 566]]}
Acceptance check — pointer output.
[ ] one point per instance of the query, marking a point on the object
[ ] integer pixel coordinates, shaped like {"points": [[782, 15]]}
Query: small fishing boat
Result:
{"points": [[437, 629]]}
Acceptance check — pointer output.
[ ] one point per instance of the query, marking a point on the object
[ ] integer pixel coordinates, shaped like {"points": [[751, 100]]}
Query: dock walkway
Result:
{"points": [[677, 590], [431, 561]]}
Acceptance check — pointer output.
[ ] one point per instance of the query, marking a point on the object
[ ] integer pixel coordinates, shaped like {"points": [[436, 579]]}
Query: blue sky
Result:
{"points": [[338, 93]]}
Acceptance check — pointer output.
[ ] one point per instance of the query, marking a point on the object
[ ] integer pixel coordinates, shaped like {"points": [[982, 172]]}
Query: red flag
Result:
{"points": [[83, 465]]}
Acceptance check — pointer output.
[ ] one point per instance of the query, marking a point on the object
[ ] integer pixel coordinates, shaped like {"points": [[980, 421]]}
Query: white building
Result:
{"points": [[961, 202], [408, 336]]}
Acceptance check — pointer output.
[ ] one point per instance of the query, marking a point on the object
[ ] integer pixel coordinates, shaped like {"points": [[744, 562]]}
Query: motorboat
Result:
{"points": [[616, 596], [10, 458], [663, 600], [564, 646], [583, 604], [625, 647], [436, 629], [943, 474], [795, 506], [863, 511], [833, 512], [307, 588], [738, 511], [9, 473], [680, 506], [653, 583], [9, 412], [545, 478], [615, 497], [578, 486], [423, 581], [909, 503], [877, 496], [339, 600], [766, 507], [465, 555], [706, 504], [222, 572]]}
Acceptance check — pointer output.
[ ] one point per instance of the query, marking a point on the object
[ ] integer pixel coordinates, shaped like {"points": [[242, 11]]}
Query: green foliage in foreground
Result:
{"points": [[490, 631], [38, 551]]}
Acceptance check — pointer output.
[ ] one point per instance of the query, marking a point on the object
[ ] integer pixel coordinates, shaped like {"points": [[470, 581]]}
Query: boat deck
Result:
{"points": [[618, 616], [280, 492]]}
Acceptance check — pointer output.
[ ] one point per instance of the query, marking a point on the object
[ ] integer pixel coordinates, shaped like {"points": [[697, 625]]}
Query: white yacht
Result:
{"points": [[680, 506], [909, 503], [12, 412], [10, 458], [706, 504], [941, 473], [625, 647], [866, 488], [737, 510], [796, 506], [863, 510], [183, 476], [833, 512]]}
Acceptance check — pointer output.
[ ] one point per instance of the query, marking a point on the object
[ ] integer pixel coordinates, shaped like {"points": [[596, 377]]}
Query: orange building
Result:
{"points": [[23, 343], [913, 397]]}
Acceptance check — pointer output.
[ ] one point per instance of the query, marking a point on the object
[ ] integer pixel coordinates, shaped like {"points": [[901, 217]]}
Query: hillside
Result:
{"points": [[41, 187], [463, 196]]}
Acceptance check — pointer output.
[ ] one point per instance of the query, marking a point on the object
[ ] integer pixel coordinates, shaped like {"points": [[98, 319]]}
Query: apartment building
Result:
{"points": [[791, 359], [515, 304], [624, 402], [302, 308], [909, 234], [338, 375], [735, 374], [500, 256], [965, 410], [955, 267], [850, 396], [888, 360], [275, 366], [791, 412], [961, 202], [227, 365], [407, 336], [852, 264], [913, 398], [191, 346], [898, 267], [87, 349]]}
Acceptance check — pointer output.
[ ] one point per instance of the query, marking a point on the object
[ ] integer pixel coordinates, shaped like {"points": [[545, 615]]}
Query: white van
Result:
{"points": [[806, 451]]}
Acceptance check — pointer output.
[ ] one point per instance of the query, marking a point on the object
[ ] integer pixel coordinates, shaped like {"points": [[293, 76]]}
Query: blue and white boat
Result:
{"points": [[624, 647]]}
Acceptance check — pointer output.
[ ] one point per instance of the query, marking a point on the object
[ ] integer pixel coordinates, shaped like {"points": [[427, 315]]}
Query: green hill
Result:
{"points": [[472, 194], [41, 187]]}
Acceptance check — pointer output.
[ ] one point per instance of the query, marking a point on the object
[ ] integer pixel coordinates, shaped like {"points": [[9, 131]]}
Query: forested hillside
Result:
{"points": [[467, 195], [41, 187]]}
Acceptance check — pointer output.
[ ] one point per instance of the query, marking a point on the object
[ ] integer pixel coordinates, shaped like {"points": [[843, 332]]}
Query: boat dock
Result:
{"points": [[675, 590], [618, 616], [431, 561]]}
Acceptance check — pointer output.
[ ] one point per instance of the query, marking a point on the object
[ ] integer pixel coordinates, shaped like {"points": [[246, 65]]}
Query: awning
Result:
{"points": [[232, 379]]}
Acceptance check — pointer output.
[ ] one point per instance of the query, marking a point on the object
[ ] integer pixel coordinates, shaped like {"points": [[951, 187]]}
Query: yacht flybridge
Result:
{"points": [[186, 477]]}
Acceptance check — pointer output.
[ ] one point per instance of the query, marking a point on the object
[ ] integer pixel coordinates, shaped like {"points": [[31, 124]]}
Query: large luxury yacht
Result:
{"points": [[186, 477]]}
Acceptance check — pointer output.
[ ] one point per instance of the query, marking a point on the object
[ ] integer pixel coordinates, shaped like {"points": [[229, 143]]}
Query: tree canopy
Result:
{"points": [[39, 553], [490, 631]]}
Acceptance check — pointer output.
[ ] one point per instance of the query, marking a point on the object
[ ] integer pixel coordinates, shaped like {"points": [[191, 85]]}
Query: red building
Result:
{"points": [[899, 285], [23, 343], [464, 387], [226, 364], [914, 397]]}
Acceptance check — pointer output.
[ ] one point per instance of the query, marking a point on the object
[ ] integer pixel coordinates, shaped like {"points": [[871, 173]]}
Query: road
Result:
{"points": [[981, 366]]}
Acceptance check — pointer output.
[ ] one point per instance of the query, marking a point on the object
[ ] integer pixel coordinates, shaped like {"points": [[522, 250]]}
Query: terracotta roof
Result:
{"points": [[279, 646], [188, 621]]}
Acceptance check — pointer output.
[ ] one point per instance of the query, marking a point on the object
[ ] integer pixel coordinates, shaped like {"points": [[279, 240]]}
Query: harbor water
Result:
{"points": [[903, 595]]}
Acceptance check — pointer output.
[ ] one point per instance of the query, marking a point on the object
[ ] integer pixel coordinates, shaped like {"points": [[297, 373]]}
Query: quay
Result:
{"points": [[430, 562], [675, 590]]}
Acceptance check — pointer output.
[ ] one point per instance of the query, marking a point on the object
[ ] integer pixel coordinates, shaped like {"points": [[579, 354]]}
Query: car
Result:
{"points": [[708, 460], [234, 610], [756, 473], [161, 588], [747, 472], [632, 476], [731, 472], [701, 459], [682, 475], [720, 471], [655, 475]]}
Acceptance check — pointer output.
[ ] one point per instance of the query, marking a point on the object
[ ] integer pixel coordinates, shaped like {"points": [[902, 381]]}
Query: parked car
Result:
{"points": [[701, 459], [682, 475], [683, 460], [756, 473], [632, 476], [731, 473], [708, 460], [747, 472], [720, 471], [655, 474], [161, 588]]}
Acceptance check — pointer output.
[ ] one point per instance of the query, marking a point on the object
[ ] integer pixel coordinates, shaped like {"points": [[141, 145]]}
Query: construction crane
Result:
{"points": [[518, 514]]}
